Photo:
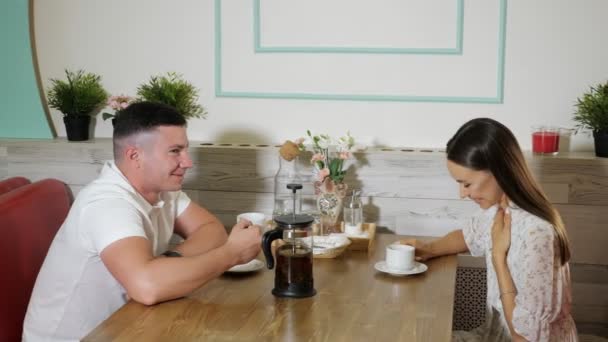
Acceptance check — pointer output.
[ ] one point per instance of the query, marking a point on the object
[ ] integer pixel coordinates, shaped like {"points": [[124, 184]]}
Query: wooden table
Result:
{"points": [[354, 302]]}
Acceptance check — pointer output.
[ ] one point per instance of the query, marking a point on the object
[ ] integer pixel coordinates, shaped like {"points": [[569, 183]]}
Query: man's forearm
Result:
{"points": [[206, 238], [169, 278]]}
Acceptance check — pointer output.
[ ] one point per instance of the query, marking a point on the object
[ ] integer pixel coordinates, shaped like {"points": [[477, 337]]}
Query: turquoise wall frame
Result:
{"points": [[456, 50], [21, 112], [500, 69]]}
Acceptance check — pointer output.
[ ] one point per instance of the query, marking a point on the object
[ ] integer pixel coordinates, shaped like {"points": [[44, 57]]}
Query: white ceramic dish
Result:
{"points": [[253, 265], [418, 268]]}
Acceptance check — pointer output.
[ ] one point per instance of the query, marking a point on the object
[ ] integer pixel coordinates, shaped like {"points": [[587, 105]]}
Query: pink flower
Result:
{"points": [[344, 155], [317, 157], [118, 102], [324, 172]]}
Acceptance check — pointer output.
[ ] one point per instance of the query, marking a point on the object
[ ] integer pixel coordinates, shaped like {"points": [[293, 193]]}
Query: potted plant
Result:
{"points": [[78, 98], [592, 113], [173, 90]]}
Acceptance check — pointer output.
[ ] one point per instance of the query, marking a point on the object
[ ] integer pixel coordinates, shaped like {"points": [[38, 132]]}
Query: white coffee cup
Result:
{"points": [[400, 257], [255, 218]]}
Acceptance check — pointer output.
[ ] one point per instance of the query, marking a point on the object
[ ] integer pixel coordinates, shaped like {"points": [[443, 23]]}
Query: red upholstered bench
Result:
{"points": [[9, 184], [30, 216]]}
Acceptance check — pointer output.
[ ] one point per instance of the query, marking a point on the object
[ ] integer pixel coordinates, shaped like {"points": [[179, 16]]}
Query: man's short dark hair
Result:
{"points": [[145, 116]]}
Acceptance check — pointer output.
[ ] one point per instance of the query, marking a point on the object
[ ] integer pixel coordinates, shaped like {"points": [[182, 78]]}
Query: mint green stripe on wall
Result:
{"points": [[498, 98], [456, 50], [21, 111]]}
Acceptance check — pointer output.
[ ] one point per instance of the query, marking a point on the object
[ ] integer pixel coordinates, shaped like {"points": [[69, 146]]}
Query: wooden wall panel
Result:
{"points": [[385, 174], [76, 164], [587, 230], [556, 192], [586, 225], [403, 174], [568, 179], [247, 169], [406, 191], [590, 302], [591, 274], [590, 294], [586, 175]]}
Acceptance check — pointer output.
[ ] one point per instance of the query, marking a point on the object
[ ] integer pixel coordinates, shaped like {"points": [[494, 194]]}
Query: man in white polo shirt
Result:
{"points": [[114, 243]]}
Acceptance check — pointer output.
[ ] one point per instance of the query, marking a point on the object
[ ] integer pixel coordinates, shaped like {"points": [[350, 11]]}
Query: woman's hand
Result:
{"points": [[423, 249], [501, 231]]}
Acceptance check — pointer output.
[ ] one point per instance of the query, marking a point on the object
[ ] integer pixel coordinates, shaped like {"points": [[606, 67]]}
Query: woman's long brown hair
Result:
{"points": [[486, 144]]}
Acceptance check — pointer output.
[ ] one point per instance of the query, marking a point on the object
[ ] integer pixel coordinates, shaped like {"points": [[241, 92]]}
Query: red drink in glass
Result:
{"points": [[545, 141]]}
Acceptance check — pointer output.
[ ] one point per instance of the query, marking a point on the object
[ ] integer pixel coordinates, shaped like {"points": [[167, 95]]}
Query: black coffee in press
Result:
{"points": [[294, 271]]}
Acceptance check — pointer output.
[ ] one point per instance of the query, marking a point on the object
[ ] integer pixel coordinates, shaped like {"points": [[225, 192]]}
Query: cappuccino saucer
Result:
{"points": [[418, 268], [251, 266]]}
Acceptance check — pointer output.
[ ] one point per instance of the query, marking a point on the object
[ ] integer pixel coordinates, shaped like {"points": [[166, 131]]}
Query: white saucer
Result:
{"points": [[418, 268], [251, 266]]}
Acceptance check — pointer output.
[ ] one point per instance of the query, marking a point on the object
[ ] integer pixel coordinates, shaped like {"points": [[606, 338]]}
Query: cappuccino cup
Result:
{"points": [[400, 257], [258, 219]]}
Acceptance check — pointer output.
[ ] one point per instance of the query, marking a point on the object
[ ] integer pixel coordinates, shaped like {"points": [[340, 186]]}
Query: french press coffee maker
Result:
{"points": [[293, 272]]}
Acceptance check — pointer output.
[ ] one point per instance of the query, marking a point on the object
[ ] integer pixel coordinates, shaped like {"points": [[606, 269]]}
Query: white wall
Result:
{"points": [[554, 51]]}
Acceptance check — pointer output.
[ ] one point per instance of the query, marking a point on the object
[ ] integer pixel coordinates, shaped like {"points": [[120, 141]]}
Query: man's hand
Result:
{"points": [[245, 241]]}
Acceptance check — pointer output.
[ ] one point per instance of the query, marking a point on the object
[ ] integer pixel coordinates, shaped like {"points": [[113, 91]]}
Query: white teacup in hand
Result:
{"points": [[400, 257], [258, 219]]}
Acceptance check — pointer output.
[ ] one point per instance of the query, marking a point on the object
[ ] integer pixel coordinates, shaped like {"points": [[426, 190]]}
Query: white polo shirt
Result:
{"points": [[74, 291]]}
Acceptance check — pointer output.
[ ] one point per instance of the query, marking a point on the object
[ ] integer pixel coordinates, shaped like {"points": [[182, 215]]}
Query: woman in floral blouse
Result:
{"points": [[518, 231]]}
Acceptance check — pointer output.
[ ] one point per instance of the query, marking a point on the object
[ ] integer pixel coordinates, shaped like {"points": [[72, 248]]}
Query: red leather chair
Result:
{"points": [[29, 219], [9, 184]]}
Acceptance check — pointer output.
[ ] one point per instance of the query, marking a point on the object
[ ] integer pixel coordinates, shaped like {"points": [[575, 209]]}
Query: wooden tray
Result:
{"points": [[362, 244]]}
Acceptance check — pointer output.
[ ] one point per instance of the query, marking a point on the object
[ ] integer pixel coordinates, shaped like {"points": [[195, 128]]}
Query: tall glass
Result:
{"points": [[353, 213]]}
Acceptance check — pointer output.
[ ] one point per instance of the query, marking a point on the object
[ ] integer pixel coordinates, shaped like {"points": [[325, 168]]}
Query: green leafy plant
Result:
{"points": [[173, 90], [81, 94], [592, 109]]}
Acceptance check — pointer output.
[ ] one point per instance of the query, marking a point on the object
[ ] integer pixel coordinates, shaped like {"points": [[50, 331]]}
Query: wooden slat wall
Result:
{"points": [[407, 191]]}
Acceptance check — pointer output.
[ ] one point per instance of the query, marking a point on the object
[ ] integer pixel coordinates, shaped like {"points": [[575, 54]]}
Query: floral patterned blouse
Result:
{"points": [[543, 300]]}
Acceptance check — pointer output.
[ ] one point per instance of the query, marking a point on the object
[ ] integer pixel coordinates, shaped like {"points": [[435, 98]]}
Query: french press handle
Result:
{"points": [[267, 239]]}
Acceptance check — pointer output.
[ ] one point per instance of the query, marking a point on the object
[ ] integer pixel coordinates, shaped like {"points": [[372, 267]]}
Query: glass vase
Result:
{"points": [[329, 204]]}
